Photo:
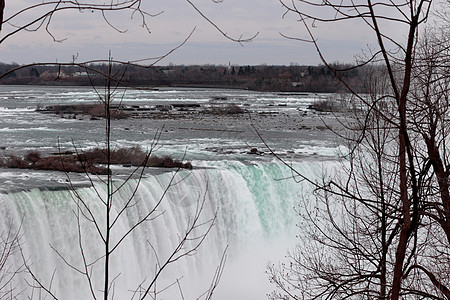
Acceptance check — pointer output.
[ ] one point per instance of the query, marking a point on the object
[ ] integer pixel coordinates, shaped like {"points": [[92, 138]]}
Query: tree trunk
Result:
{"points": [[2, 9]]}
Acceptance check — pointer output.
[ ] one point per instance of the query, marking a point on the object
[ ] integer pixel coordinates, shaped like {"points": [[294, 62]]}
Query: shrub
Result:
{"points": [[88, 161], [132, 155], [94, 156], [234, 109], [16, 162], [97, 111], [33, 157], [167, 162]]}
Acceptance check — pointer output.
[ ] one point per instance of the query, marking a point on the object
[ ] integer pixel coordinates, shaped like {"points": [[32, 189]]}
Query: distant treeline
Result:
{"points": [[260, 78]]}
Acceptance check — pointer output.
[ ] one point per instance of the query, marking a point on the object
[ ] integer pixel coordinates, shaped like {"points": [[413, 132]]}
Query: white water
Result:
{"points": [[255, 219]]}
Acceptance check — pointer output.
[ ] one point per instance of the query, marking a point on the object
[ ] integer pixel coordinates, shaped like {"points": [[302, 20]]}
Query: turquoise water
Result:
{"points": [[254, 205]]}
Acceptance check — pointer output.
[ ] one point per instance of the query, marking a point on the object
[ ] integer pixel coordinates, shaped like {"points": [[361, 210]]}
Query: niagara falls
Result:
{"points": [[240, 182]]}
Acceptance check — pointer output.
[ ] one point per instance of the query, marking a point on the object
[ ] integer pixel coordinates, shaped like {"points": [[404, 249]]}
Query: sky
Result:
{"points": [[87, 36]]}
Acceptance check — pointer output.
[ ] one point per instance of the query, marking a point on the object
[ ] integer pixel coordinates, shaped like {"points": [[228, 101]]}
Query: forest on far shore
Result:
{"points": [[258, 78]]}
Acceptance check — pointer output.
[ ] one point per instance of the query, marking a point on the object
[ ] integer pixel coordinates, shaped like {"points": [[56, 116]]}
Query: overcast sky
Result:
{"points": [[87, 35]]}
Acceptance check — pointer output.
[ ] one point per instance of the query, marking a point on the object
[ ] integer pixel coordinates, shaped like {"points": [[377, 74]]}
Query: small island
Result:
{"points": [[94, 161]]}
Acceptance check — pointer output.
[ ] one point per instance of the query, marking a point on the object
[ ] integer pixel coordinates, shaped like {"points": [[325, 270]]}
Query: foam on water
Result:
{"points": [[254, 215]]}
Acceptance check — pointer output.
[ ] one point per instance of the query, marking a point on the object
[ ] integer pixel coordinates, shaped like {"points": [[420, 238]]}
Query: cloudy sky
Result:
{"points": [[88, 36]]}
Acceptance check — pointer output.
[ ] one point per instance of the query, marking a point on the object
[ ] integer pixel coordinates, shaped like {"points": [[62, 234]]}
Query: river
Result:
{"points": [[235, 175]]}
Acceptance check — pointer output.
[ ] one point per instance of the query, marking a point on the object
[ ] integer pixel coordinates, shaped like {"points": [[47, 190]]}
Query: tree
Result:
{"points": [[10, 240], [380, 231], [103, 221], [103, 215], [34, 72]]}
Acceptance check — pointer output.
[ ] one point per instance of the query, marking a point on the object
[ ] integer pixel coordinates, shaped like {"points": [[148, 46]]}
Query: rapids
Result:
{"points": [[250, 194]]}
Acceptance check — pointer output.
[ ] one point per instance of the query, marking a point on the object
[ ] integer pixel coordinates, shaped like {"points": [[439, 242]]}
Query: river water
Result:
{"points": [[251, 191]]}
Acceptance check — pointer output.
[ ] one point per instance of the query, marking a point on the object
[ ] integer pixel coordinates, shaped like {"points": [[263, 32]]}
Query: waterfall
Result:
{"points": [[255, 219]]}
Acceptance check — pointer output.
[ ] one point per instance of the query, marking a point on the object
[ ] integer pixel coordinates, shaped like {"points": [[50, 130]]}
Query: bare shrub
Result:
{"points": [[234, 109], [167, 162], [33, 157], [97, 111], [16, 162], [89, 161], [93, 156], [119, 114], [132, 155]]}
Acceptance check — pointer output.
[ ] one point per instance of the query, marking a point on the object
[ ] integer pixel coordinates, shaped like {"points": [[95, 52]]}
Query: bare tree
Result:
{"points": [[104, 222], [380, 230], [10, 240], [39, 16], [110, 208]]}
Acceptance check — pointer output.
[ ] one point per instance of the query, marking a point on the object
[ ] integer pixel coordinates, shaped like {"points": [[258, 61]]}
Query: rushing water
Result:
{"points": [[253, 195]]}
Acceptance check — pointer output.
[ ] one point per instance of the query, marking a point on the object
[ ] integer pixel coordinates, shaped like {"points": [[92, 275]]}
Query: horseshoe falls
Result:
{"points": [[255, 222], [239, 200]]}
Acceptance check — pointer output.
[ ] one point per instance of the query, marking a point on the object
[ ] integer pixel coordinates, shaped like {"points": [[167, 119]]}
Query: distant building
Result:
{"points": [[80, 74]]}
